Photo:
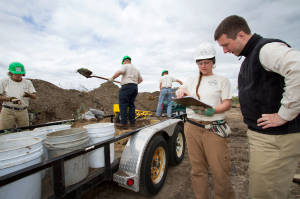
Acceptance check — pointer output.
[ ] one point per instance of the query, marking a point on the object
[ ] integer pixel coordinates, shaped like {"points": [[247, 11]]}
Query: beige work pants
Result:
{"points": [[273, 162], [206, 147], [9, 118]]}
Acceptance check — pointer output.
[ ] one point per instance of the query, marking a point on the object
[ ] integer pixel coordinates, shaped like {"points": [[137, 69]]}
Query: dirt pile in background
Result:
{"points": [[55, 103]]}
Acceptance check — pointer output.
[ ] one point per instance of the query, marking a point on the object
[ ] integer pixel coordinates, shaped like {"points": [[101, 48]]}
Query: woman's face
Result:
{"points": [[205, 66], [17, 76]]}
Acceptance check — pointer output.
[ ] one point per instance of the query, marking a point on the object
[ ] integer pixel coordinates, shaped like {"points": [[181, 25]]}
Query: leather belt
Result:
{"points": [[197, 124], [166, 87], [14, 108]]}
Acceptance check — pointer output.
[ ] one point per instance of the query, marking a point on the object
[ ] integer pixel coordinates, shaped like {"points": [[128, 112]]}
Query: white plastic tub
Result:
{"points": [[99, 132], [16, 155], [61, 142], [29, 134]]}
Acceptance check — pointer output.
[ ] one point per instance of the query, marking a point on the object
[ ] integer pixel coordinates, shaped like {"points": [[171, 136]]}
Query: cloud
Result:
{"points": [[55, 38]]}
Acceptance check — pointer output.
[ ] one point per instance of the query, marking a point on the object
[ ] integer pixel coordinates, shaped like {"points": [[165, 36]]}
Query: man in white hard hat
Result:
{"points": [[131, 77], [269, 96], [165, 85]]}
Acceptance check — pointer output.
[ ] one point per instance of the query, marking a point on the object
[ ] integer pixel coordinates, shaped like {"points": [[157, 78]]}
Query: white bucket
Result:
{"points": [[99, 132], [61, 142], [16, 155], [29, 134]]}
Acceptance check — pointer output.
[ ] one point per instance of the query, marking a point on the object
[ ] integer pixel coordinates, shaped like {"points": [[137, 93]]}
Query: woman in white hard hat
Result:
{"points": [[206, 130], [15, 93]]}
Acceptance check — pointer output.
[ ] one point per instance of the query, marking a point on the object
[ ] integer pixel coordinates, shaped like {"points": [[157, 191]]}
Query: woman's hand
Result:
{"points": [[181, 92]]}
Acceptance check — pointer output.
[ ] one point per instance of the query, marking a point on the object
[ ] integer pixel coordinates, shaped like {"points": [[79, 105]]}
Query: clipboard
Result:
{"points": [[189, 101]]}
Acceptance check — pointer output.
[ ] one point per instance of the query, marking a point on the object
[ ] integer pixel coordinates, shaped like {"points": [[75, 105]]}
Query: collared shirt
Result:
{"points": [[279, 58], [130, 74], [10, 88], [213, 90], [166, 81]]}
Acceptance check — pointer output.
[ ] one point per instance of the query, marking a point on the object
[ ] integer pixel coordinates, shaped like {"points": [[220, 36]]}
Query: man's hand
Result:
{"points": [[181, 92], [16, 101], [26, 94], [110, 79], [270, 120]]}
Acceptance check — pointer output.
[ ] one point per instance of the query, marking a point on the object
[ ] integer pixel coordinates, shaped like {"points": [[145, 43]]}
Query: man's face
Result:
{"points": [[17, 76], [231, 46]]}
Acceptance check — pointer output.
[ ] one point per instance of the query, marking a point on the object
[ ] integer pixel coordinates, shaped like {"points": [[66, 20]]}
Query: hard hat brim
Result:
{"points": [[204, 57], [18, 72]]}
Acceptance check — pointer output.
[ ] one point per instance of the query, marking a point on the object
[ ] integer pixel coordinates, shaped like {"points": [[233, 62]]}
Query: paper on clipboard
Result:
{"points": [[189, 101]]}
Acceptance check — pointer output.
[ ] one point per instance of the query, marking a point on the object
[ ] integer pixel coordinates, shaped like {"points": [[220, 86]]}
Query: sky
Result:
{"points": [[53, 39]]}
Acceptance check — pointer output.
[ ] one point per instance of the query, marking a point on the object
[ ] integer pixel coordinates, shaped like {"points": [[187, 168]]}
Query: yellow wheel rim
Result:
{"points": [[158, 165], [179, 145]]}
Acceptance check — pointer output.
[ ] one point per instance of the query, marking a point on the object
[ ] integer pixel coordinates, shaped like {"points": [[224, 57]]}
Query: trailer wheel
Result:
{"points": [[118, 118], [154, 167], [176, 146]]}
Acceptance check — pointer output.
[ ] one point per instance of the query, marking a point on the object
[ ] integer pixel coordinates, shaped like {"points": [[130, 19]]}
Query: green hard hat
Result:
{"points": [[16, 68], [125, 57], [162, 74]]}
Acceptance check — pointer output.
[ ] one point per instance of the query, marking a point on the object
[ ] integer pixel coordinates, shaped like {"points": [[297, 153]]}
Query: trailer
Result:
{"points": [[142, 167]]}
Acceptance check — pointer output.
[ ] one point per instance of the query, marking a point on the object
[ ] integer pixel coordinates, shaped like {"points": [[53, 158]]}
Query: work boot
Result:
{"points": [[121, 126], [132, 125], [157, 116]]}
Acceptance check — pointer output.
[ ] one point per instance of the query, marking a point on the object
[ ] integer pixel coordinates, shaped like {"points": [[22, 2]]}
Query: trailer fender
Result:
{"points": [[132, 155]]}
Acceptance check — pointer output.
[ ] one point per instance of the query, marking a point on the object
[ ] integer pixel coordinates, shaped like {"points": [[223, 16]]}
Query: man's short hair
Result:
{"points": [[231, 26], [10, 74]]}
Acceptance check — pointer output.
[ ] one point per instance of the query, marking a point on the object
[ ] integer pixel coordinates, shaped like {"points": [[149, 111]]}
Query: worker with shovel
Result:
{"points": [[131, 77], [15, 93]]}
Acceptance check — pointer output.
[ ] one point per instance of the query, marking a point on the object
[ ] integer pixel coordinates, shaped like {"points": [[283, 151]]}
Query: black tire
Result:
{"points": [[118, 118], [176, 146], [154, 170]]}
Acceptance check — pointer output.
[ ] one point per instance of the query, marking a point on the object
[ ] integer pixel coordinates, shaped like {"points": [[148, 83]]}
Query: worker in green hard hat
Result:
{"points": [[165, 85], [131, 77], [15, 93]]}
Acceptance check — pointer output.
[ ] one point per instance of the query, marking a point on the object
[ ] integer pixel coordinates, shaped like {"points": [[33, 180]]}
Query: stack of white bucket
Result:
{"points": [[50, 129], [23, 149], [61, 142], [28, 134], [29, 187], [99, 132], [16, 155]]}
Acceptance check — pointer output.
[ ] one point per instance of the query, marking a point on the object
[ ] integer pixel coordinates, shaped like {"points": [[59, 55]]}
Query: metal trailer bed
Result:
{"points": [[122, 169]]}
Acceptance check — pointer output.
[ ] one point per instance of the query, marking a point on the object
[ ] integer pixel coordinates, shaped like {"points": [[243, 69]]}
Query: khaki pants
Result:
{"points": [[206, 147], [9, 118], [273, 162]]}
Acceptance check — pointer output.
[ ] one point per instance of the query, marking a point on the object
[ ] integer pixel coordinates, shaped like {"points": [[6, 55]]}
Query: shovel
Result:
{"points": [[88, 74]]}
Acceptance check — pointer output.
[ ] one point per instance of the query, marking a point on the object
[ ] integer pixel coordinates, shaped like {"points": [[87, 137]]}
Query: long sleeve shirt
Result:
{"points": [[279, 58]]}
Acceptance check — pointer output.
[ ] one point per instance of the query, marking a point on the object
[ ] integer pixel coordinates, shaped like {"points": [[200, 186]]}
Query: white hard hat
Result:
{"points": [[205, 51]]}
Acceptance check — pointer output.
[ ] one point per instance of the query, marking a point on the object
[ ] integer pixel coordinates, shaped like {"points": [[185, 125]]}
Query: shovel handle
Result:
{"points": [[104, 78]]}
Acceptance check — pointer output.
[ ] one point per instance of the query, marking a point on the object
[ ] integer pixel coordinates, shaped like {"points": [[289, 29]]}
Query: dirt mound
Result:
{"points": [[55, 103]]}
